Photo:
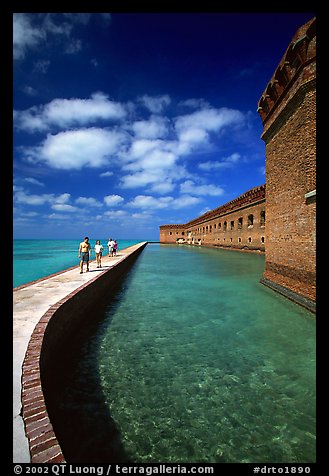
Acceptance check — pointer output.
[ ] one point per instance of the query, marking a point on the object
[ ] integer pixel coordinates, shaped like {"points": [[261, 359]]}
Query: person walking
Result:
{"points": [[98, 251], [84, 252], [115, 247], [110, 245]]}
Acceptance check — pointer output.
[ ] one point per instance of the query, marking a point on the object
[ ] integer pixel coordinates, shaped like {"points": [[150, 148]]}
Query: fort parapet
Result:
{"points": [[238, 224], [288, 112]]}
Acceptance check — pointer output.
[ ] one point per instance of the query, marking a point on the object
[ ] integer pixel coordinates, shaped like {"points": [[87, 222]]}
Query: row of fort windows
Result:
{"points": [[231, 224], [198, 241], [262, 239]]}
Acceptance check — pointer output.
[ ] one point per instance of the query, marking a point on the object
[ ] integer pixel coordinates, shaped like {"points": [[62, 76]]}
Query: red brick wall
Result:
{"points": [[290, 137], [172, 233], [50, 340], [288, 111], [227, 226]]}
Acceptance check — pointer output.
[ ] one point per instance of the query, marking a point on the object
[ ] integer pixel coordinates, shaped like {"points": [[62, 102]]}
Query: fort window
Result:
{"points": [[262, 239], [210, 228], [249, 239], [225, 226], [231, 239], [232, 224], [240, 221], [214, 226], [183, 233], [170, 233], [239, 240], [262, 218], [250, 221], [219, 226]]}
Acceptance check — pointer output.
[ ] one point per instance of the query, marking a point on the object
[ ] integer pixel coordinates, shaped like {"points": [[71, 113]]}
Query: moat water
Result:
{"points": [[193, 361]]}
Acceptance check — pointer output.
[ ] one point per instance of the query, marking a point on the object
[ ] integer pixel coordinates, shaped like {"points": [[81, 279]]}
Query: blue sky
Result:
{"points": [[123, 122]]}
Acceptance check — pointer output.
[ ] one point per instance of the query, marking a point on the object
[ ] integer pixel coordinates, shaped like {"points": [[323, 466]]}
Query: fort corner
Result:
{"points": [[287, 202], [288, 112]]}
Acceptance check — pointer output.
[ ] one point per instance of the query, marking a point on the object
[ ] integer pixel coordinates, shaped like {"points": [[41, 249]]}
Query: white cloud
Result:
{"points": [[106, 174], [20, 196], [185, 201], [208, 120], [30, 199], [155, 104], [116, 213], [68, 150], [142, 216], [226, 163], [141, 147], [34, 181], [148, 202], [30, 91], [113, 200], [69, 112], [156, 160], [83, 111], [63, 198], [190, 187], [165, 186], [31, 30], [194, 103], [64, 207], [88, 201], [58, 216], [25, 35], [139, 179], [153, 128]]}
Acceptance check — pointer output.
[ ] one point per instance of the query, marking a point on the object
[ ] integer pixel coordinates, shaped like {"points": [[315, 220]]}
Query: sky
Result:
{"points": [[123, 122]]}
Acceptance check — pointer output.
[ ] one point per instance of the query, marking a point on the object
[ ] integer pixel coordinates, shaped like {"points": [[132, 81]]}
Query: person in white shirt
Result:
{"points": [[110, 245], [98, 251]]}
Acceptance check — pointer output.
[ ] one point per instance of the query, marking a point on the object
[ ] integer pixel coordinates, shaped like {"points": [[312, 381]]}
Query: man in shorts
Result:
{"points": [[84, 250]]}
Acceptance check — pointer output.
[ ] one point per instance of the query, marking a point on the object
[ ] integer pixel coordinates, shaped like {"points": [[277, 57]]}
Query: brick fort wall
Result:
{"points": [[288, 112]]}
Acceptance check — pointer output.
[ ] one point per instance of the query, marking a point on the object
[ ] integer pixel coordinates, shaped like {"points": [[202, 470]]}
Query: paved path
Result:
{"points": [[29, 304]]}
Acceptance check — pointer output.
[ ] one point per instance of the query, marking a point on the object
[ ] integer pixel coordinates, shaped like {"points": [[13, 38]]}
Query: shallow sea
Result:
{"points": [[193, 361], [35, 259]]}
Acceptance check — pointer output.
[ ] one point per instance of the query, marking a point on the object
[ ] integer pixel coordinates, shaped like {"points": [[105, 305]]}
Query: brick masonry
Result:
{"points": [[51, 335], [288, 112], [239, 224]]}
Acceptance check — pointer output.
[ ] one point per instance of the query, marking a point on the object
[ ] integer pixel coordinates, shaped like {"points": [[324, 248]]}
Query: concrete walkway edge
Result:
{"points": [[33, 305]]}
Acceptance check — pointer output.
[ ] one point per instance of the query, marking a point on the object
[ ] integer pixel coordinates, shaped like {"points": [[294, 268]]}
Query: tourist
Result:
{"points": [[98, 251], [115, 247], [84, 251], [110, 244]]}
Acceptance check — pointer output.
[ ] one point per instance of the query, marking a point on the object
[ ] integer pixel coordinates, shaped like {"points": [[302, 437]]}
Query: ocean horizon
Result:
{"points": [[38, 258]]}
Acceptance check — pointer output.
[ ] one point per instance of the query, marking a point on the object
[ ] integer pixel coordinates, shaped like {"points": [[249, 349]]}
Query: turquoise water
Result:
{"points": [[194, 361], [35, 259]]}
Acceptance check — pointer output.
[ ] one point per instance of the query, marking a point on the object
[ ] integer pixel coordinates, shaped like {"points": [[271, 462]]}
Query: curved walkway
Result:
{"points": [[30, 303]]}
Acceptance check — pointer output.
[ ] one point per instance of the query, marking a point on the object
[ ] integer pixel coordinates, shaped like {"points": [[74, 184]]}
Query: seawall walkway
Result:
{"points": [[33, 306]]}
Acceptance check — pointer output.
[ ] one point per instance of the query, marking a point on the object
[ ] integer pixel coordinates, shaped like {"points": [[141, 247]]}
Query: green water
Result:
{"points": [[196, 361]]}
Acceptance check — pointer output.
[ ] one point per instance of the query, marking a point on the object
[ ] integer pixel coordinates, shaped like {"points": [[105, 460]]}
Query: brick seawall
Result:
{"points": [[46, 315]]}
